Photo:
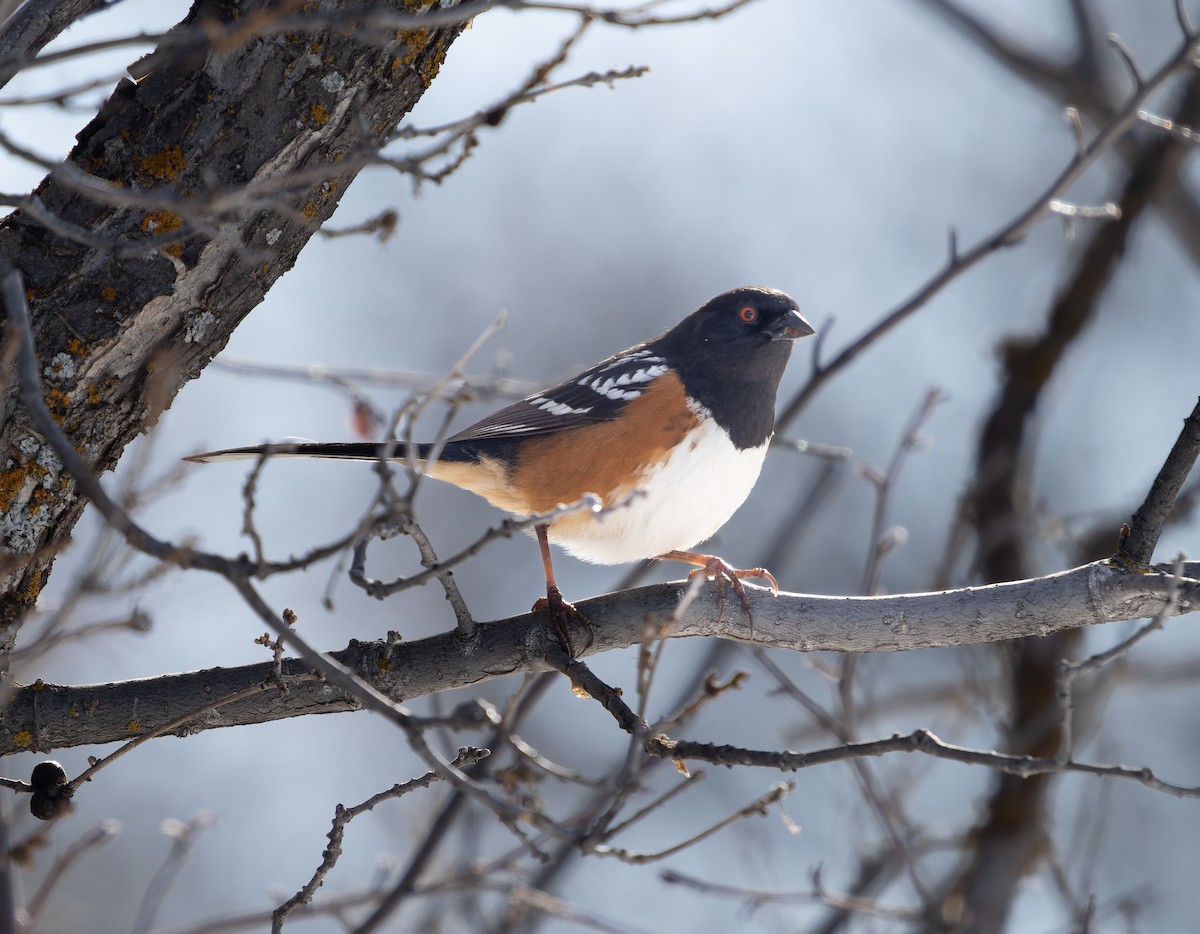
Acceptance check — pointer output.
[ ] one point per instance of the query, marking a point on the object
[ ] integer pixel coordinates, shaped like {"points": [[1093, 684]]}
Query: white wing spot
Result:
{"points": [[609, 387], [644, 355], [558, 408]]}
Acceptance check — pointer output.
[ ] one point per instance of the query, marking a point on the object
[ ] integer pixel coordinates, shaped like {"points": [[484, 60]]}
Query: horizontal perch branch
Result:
{"points": [[44, 717]]}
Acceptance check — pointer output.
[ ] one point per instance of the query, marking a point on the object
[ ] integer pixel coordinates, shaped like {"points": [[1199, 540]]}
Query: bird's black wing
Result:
{"points": [[595, 395]]}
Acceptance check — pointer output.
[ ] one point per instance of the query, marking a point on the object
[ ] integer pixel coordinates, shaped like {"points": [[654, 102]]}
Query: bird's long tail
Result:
{"points": [[351, 450]]}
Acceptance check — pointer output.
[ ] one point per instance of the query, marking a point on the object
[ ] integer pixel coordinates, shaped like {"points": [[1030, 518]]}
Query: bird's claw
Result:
{"points": [[560, 613], [719, 571]]}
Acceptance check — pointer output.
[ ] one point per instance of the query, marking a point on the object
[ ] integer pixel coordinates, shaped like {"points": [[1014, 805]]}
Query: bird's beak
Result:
{"points": [[791, 327]]}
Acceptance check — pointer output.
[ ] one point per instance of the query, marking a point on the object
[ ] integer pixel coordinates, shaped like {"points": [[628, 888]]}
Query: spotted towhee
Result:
{"points": [[670, 434]]}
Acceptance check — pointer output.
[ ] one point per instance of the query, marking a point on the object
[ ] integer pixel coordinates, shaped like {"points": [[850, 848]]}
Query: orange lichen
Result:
{"points": [[320, 114], [30, 594], [133, 726], [11, 481], [384, 665], [166, 166], [309, 211], [108, 293], [75, 346], [57, 402], [160, 222], [37, 499], [419, 41], [22, 738], [93, 395]]}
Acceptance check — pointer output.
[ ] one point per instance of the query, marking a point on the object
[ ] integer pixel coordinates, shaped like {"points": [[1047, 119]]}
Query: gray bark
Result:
{"points": [[46, 717], [168, 224]]}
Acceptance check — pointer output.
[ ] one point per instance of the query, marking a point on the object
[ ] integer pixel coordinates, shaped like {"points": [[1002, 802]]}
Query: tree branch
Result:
{"points": [[44, 716], [1008, 234], [120, 336], [1147, 523]]}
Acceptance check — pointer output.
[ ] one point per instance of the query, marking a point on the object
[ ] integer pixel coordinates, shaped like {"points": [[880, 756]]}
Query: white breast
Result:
{"points": [[681, 503]]}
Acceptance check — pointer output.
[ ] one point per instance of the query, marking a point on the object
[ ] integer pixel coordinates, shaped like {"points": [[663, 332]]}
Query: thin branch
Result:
{"points": [[1069, 672], [479, 387], [1034, 68], [1008, 234], [467, 756], [445, 577], [922, 741], [506, 529], [1126, 56], [1146, 524], [171, 726], [183, 838], [884, 540], [660, 800], [631, 18], [236, 572], [92, 840], [756, 808], [818, 895]]}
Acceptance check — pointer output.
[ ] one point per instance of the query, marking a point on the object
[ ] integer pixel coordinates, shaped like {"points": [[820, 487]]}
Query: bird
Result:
{"points": [[670, 435]]}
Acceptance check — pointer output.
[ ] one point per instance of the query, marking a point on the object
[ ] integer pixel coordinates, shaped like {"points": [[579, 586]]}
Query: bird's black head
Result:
{"points": [[748, 318], [731, 353]]}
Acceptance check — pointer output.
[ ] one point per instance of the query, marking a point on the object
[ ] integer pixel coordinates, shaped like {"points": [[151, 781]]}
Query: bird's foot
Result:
{"points": [[715, 569], [561, 613]]}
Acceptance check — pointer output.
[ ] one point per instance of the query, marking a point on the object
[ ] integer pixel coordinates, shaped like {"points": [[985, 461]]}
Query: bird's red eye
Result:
{"points": [[748, 314]]}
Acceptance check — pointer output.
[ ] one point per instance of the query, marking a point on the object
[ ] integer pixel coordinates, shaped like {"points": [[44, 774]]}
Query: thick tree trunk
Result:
{"points": [[170, 222]]}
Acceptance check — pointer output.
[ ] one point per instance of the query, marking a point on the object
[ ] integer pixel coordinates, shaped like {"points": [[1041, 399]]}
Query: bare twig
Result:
{"points": [[1069, 672], [1126, 56], [756, 808], [1008, 234], [819, 896], [480, 387], [922, 741], [1146, 524], [882, 540], [183, 838], [90, 841], [506, 529], [467, 756], [163, 729], [236, 572]]}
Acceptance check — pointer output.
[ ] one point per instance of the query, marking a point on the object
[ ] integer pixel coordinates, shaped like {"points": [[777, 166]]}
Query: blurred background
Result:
{"points": [[823, 149]]}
